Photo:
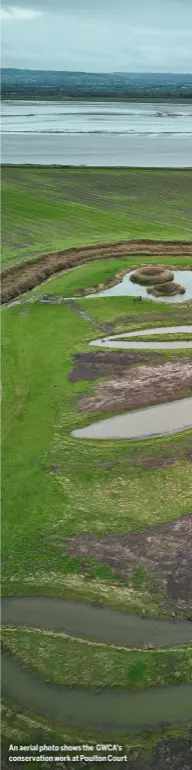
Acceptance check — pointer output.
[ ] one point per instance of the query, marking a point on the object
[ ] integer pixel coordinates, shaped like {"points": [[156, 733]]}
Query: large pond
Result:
{"points": [[161, 420], [128, 289]]}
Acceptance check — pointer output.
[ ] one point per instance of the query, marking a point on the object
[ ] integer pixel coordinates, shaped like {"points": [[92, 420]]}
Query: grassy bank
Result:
{"points": [[71, 662], [46, 209], [167, 337]]}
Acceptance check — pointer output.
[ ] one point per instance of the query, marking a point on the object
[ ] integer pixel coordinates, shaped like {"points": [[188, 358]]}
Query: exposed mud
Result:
{"points": [[141, 386], [92, 366], [29, 274], [163, 551]]}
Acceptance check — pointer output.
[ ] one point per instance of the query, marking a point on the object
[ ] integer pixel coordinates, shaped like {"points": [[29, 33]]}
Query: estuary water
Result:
{"points": [[97, 133]]}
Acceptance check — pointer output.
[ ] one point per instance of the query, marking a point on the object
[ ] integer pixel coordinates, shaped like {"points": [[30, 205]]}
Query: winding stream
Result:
{"points": [[116, 710], [93, 622]]}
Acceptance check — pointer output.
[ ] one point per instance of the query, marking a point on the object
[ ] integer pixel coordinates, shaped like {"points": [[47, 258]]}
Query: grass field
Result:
{"points": [[54, 486], [49, 209]]}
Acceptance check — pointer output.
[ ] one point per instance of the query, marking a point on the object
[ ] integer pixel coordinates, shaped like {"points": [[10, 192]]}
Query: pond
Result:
{"points": [[128, 289], [151, 422], [125, 341]]}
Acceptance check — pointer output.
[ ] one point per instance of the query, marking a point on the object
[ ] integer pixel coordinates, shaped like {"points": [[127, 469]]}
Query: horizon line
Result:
{"points": [[102, 72]]}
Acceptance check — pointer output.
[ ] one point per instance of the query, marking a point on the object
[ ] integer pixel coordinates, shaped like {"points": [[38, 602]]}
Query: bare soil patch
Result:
{"points": [[92, 366], [23, 277], [164, 551], [140, 386]]}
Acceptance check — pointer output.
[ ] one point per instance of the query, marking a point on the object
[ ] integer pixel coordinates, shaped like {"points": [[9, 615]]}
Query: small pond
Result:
{"points": [[128, 289]]}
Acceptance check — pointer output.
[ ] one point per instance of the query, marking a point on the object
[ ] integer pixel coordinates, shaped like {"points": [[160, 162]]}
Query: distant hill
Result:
{"points": [[45, 84]]}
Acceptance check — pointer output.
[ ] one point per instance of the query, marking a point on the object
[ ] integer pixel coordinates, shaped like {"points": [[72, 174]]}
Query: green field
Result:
{"points": [[40, 408], [55, 486], [45, 209]]}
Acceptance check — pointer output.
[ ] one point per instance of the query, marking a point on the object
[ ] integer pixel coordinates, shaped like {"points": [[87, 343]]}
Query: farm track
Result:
{"points": [[23, 277]]}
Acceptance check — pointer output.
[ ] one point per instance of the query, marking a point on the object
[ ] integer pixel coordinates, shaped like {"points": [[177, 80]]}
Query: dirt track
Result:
{"points": [[26, 276]]}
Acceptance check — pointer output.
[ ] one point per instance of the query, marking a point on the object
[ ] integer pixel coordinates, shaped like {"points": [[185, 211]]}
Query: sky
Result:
{"points": [[98, 35]]}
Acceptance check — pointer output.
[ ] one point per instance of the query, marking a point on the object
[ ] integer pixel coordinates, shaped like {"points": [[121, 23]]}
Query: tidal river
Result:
{"points": [[97, 133]]}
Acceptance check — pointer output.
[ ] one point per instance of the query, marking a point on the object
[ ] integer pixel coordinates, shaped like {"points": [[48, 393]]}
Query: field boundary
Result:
{"points": [[26, 276]]}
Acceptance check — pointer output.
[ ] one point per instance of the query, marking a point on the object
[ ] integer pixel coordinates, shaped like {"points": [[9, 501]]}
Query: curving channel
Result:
{"points": [[101, 624], [125, 341], [116, 710]]}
